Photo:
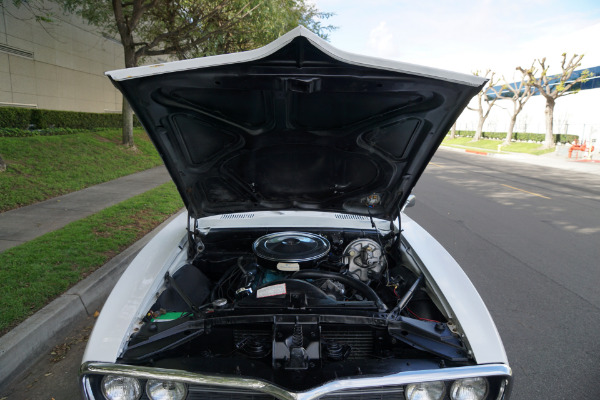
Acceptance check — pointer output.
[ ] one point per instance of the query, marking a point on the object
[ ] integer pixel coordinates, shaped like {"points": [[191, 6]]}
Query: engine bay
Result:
{"points": [[297, 308]]}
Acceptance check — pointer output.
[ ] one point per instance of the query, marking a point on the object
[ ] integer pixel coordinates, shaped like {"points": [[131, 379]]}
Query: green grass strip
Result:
{"points": [[42, 167], [36, 272], [492, 146]]}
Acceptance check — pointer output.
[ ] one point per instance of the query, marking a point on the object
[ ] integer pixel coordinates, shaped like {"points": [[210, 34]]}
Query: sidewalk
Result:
{"points": [[26, 223], [21, 347]]}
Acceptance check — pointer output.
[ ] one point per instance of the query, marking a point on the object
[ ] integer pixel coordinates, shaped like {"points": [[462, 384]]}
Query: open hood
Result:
{"points": [[296, 124]]}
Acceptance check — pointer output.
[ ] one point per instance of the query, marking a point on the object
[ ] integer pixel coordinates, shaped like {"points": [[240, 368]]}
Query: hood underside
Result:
{"points": [[296, 124]]}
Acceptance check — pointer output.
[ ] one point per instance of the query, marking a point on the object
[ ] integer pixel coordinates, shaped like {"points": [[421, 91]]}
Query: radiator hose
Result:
{"points": [[346, 280]]}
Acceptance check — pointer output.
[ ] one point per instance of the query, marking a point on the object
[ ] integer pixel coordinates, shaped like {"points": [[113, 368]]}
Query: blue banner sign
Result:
{"points": [[591, 83]]}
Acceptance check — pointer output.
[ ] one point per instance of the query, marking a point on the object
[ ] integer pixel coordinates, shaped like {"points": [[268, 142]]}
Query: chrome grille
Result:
{"points": [[374, 393], [197, 392], [220, 393]]}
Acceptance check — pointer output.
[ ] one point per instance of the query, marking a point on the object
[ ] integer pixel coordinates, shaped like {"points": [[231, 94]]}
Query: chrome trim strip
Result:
{"points": [[400, 378], [86, 389]]}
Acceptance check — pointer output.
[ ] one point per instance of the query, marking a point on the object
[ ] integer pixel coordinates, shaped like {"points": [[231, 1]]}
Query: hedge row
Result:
{"points": [[536, 137], [28, 118], [18, 132]]}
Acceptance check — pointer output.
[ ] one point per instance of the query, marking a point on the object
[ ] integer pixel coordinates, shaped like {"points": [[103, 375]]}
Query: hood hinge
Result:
{"points": [[195, 244]]}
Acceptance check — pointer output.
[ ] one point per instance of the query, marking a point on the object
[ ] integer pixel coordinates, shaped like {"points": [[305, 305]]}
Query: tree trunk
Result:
{"points": [[479, 129], [453, 131], [549, 140], [127, 124], [511, 127], [130, 62], [2, 165]]}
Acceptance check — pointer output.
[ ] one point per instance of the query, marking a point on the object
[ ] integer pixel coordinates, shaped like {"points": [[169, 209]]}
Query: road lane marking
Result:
{"points": [[437, 165], [535, 194]]}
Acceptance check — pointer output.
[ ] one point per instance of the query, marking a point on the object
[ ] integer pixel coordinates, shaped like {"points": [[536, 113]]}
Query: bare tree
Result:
{"points": [[520, 93], [554, 86], [484, 102], [453, 131], [562, 122]]}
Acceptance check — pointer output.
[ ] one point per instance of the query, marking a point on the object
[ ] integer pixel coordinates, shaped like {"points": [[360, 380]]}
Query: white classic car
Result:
{"points": [[294, 273]]}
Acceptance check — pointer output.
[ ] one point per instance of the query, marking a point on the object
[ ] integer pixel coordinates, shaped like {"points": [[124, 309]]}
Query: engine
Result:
{"points": [[301, 256], [319, 304]]}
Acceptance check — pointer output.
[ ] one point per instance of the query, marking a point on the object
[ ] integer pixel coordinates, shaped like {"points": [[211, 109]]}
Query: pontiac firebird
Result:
{"points": [[294, 273]]}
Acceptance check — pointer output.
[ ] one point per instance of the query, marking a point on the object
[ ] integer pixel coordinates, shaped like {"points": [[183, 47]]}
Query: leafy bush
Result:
{"points": [[43, 119], [484, 135], [536, 137], [563, 138], [494, 135], [24, 118], [17, 132], [12, 117]]}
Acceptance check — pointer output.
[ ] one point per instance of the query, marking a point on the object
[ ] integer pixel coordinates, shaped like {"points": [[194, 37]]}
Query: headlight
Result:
{"points": [[120, 388], [425, 391], [469, 389], [165, 390]]}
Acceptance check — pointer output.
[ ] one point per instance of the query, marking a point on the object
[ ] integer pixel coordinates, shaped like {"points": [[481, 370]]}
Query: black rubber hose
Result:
{"points": [[354, 283], [213, 293]]}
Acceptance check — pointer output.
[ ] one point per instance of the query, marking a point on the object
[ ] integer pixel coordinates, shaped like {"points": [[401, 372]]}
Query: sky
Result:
{"points": [[467, 35], [475, 35]]}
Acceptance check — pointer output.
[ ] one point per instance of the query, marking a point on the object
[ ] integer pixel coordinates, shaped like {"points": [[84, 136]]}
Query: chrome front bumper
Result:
{"points": [[255, 385]]}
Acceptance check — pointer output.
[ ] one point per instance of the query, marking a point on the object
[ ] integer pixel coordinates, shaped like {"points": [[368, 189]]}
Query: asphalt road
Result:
{"points": [[529, 239]]}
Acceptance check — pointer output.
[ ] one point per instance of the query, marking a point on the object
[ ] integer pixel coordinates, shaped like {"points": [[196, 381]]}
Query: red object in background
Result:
{"points": [[579, 147]]}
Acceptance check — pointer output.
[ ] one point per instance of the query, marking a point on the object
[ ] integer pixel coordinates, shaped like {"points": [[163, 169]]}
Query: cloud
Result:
{"points": [[382, 42], [466, 35]]}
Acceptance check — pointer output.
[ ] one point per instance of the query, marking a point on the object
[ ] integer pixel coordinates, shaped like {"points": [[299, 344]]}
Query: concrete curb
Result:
{"points": [[34, 337], [481, 153]]}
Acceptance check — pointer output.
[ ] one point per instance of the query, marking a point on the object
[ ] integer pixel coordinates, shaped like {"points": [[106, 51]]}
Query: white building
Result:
{"points": [[56, 66]]}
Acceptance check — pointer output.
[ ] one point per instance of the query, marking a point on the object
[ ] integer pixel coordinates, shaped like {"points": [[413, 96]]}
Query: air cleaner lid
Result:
{"points": [[291, 246]]}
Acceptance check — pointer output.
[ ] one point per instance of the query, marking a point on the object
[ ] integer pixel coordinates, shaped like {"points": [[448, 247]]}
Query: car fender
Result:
{"points": [[453, 288]]}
